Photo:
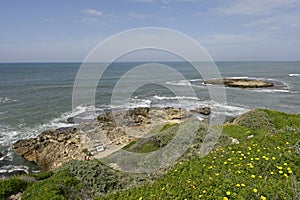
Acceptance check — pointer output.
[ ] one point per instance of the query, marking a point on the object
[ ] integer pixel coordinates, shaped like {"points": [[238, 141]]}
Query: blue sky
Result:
{"points": [[35, 30]]}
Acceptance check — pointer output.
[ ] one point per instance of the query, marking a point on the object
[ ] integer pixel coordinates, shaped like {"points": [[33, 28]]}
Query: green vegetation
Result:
{"points": [[255, 120], [256, 169], [160, 138], [42, 175], [62, 185], [265, 166], [12, 186]]}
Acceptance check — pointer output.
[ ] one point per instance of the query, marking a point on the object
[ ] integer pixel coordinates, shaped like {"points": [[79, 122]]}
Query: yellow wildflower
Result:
{"points": [[255, 190], [263, 197]]}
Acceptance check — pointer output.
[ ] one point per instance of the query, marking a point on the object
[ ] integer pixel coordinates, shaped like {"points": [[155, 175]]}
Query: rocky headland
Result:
{"points": [[100, 137], [240, 82]]}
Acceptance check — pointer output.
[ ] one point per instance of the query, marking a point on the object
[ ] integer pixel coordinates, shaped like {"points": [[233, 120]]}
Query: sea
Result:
{"points": [[35, 97]]}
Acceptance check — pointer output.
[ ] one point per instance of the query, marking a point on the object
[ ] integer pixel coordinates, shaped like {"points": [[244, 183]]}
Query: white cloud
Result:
{"points": [[274, 28], [256, 7], [88, 20], [294, 25], [133, 15], [276, 21], [230, 39], [263, 21], [92, 12]]}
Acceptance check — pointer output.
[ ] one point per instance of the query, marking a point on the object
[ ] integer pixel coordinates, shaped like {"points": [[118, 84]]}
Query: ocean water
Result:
{"points": [[38, 96]]}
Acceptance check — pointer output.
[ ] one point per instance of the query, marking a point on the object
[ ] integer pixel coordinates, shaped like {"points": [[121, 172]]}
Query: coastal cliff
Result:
{"points": [[263, 163], [110, 131]]}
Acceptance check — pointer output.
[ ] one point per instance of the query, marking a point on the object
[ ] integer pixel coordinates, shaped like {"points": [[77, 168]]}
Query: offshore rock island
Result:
{"points": [[240, 82]]}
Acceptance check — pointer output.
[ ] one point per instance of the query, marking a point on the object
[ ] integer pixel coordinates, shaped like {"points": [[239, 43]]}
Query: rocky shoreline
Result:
{"points": [[104, 135], [240, 82]]}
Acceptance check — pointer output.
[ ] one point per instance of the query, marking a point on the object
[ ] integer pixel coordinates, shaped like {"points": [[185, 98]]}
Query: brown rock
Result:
{"points": [[175, 113], [105, 117], [139, 115], [203, 111], [49, 149], [241, 83]]}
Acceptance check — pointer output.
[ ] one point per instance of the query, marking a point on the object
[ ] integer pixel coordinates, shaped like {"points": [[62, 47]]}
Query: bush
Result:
{"points": [[255, 120], [62, 185], [11, 186]]}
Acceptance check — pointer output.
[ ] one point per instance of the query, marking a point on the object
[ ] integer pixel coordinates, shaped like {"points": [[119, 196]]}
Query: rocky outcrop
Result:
{"points": [[240, 82], [139, 115], [203, 111], [176, 113], [109, 130], [51, 148]]}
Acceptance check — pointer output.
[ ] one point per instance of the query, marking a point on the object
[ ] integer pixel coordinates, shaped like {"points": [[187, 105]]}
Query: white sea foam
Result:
{"points": [[240, 77], [11, 168], [272, 90], [7, 134], [179, 83], [4, 100], [175, 98], [294, 75]]}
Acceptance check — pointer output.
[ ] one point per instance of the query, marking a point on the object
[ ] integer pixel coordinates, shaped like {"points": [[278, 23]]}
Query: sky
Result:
{"points": [[230, 30]]}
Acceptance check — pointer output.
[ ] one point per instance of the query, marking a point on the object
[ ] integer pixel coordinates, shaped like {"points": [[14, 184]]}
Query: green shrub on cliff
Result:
{"points": [[62, 185], [42, 175], [256, 120], [12, 186]]}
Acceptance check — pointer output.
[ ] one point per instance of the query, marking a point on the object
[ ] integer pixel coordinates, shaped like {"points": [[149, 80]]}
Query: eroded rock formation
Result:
{"points": [[240, 82], [109, 130]]}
